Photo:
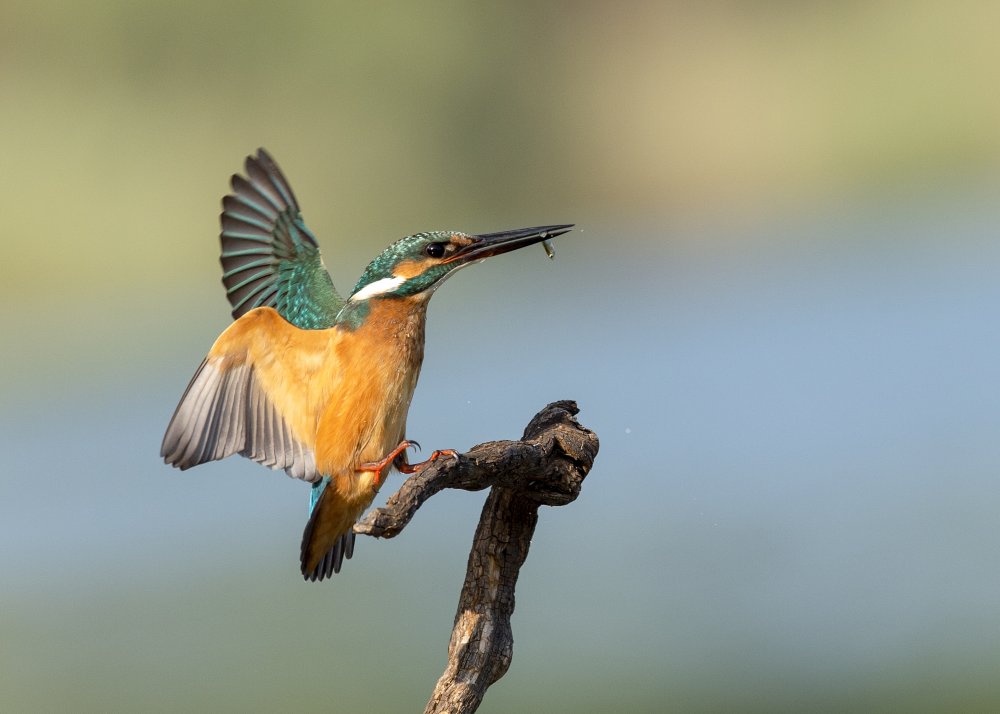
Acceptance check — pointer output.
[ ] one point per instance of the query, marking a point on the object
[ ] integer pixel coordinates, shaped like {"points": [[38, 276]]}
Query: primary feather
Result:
{"points": [[235, 403], [269, 257]]}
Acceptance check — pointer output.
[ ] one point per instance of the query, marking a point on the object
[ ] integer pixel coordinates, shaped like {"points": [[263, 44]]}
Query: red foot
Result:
{"points": [[406, 468], [378, 466]]}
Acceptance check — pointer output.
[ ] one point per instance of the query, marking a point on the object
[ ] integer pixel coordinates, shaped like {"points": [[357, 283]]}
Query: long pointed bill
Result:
{"points": [[490, 244]]}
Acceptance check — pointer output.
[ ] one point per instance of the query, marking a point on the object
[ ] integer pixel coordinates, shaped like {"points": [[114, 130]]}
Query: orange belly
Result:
{"points": [[365, 417]]}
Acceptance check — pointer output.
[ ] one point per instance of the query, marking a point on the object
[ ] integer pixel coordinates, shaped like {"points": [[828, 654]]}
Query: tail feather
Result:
{"points": [[328, 537]]}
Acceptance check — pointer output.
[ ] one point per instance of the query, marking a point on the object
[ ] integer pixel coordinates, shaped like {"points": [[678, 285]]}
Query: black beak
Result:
{"points": [[490, 244]]}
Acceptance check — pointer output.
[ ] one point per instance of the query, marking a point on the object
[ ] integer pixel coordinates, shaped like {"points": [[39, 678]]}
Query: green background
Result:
{"points": [[778, 312]]}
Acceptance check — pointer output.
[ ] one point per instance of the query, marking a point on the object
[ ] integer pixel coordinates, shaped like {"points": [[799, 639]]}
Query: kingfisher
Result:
{"points": [[306, 381]]}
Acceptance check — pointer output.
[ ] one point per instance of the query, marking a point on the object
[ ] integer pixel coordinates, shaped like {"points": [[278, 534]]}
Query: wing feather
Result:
{"points": [[200, 414], [272, 439], [269, 256], [231, 405], [245, 198]]}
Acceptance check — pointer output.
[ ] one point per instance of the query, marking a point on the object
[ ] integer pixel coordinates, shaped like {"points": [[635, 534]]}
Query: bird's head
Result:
{"points": [[418, 264]]}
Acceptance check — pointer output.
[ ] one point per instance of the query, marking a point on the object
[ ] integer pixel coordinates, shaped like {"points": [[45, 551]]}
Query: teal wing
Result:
{"points": [[269, 256]]}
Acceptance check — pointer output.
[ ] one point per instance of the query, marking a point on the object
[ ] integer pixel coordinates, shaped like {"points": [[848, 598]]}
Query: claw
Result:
{"points": [[378, 466], [406, 468]]}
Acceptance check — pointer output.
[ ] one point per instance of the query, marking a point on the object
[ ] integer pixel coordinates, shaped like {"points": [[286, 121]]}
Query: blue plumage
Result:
{"points": [[316, 492]]}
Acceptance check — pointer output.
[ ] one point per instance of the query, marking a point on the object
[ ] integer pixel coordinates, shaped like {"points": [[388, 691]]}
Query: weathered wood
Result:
{"points": [[546, 467]]}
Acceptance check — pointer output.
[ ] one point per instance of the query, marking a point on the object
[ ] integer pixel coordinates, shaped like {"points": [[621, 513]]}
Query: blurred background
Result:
{"points": [[778, 312]]}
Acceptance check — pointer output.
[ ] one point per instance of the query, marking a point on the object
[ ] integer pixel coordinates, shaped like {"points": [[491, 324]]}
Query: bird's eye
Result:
{"points": [[435, 250]]}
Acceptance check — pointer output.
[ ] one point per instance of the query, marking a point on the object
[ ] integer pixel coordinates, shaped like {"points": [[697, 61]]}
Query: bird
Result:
{"points": [[307, 381]]}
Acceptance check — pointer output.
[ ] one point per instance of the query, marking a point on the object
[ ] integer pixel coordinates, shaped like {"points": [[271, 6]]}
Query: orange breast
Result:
{"points": [[365, 417], [342, 393]]}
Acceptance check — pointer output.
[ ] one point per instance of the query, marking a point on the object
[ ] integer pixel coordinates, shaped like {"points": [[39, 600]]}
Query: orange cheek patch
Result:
{"points": [[410, 268]]}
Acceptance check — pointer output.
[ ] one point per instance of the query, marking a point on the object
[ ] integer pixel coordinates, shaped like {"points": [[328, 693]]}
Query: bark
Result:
{"points": [[546, 467]]}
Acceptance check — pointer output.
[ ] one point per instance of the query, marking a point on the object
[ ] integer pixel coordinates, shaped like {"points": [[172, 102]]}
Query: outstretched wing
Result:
{"points": [[269, 256], [251, 397]]}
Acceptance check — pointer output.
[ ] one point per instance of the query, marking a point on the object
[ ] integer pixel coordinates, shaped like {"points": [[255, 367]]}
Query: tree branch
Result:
{"points": [[546, 467]]}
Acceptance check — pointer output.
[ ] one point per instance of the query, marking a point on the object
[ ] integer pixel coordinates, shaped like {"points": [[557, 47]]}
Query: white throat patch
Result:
{"points": [[379, 287]]}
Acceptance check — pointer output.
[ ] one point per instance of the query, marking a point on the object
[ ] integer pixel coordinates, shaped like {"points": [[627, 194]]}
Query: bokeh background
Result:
{"points": [[778, 313]]}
